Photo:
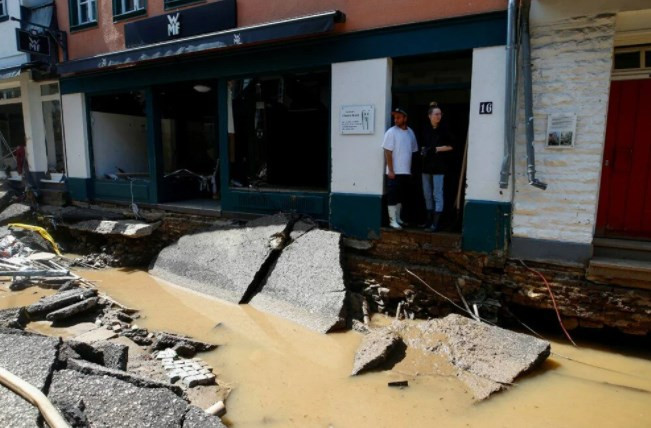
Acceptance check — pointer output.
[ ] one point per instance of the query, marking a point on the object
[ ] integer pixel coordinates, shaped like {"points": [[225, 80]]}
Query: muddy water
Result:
{"points": [[286, 376], [13, 299]]}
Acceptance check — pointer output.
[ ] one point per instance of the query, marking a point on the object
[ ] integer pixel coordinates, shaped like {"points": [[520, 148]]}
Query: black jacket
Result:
{"points": [[435, 163]]}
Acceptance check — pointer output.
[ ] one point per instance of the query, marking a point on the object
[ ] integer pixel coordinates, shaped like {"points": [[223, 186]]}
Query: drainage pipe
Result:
{"points": [[528, 100], [509, 102], [35, 396]]}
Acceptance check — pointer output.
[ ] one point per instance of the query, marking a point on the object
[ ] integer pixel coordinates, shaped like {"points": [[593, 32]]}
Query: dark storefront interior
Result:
{"points": [[444, 78], [279, 131]]}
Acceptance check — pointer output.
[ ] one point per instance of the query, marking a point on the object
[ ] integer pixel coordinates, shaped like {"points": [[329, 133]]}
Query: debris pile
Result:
{"points": [[191, 372], [485, 358]]}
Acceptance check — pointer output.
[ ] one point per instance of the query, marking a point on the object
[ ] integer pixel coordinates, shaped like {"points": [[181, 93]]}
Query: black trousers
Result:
{"points": [[398, 189]]}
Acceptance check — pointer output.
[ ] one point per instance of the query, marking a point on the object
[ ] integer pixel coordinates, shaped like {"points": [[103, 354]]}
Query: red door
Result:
{"points": [[625, 196]]}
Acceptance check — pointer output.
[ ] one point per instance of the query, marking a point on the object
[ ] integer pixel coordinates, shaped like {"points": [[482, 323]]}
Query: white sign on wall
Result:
{"points": [[357, 120], [561, 130]]}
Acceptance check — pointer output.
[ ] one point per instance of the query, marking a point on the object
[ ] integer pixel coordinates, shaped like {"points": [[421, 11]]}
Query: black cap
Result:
{"points": [[399, 110]]}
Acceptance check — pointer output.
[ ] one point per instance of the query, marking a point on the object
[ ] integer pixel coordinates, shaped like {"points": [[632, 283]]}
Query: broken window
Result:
{"points": [[278, 128], [119, 136], [189, 139], [12, 126]]}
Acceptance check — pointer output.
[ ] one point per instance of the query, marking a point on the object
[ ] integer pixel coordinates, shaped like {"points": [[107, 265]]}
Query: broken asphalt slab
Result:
{"points": [[13, 318], [223, 263], [13, 213], [57, 301], [112, 402], [32, 358], [126, 228], [197, 418], [376, 348], [306, 284], [487, 358]]}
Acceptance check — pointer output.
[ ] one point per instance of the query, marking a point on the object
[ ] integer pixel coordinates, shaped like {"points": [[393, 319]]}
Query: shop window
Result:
{"points": [[278, 129], [119, 136], [83, 13], [53, 135], [633, 59], [9, 94], [123, 9], [12, 131], [189, 140], [49, 89]]}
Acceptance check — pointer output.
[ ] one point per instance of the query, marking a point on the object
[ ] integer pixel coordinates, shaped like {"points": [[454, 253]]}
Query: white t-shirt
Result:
{"points": [[402, 144]]}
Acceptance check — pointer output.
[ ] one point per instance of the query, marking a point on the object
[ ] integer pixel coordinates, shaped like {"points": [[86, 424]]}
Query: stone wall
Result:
{"points": [[571, 61], [382, 266]]}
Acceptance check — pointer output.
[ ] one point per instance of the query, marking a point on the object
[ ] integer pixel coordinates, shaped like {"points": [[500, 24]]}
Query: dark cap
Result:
{"points": [[399, 110]]}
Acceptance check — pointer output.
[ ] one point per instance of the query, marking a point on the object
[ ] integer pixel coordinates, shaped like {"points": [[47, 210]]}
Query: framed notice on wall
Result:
{"points": [[357, 120], [561, 130]]}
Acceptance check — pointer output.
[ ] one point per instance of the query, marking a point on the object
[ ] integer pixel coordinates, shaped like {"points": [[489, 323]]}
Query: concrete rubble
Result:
{"points": [[58, 301], [376, 348], [275, 263], [127, 228], [197, 418], [486, 358], [13, 318], [73, 310]]}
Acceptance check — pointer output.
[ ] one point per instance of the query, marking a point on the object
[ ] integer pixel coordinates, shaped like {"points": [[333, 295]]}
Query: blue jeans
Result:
{"points": [[433, 191]]}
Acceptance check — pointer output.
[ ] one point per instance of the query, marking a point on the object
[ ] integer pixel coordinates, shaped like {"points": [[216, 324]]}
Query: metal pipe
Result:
{"points": [[528, 100], [509, 96]]}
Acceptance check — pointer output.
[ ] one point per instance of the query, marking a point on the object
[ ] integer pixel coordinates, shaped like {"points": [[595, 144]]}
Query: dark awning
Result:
{"points": [[273, 31]]}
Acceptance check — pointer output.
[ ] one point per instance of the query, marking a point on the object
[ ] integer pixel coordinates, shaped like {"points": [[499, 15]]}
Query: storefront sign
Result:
{"points": [[32, 43], [204, 19], [561, 130], [357, 120]]}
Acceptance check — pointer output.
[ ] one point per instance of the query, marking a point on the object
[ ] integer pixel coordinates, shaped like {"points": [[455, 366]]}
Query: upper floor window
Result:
{"points": [[3, 8], [128, 8], [169, 4], [83, 13]]}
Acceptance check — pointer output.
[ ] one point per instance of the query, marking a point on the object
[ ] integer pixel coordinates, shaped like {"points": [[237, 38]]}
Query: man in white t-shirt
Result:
{"points": [[399, 145]]}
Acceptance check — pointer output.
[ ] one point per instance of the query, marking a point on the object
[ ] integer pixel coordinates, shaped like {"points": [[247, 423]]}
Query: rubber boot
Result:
{"points": [[435, 221], [398, 217], [429, 219], [392, 218]]}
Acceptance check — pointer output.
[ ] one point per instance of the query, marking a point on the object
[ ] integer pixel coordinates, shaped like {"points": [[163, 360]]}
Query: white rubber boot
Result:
{"points": [[392, 218], [398, 216]]}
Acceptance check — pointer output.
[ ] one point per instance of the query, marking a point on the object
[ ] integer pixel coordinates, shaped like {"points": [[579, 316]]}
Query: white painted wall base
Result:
{"points": [[486, 131], [357, 160]]}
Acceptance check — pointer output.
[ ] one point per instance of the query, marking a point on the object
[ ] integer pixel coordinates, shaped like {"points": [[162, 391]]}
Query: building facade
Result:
{"points": [[283, 106], [30, 108]]}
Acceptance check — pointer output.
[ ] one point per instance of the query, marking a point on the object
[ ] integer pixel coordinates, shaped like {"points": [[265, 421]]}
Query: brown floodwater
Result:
{"points": [[284, 375]]}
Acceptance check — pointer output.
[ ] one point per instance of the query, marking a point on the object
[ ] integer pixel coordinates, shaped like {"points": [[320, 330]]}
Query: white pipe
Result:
{"points": [[34, 396]]}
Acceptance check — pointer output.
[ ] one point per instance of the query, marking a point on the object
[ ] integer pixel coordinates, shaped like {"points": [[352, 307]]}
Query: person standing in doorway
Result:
{"points": [[435, 153], [399, 145]]}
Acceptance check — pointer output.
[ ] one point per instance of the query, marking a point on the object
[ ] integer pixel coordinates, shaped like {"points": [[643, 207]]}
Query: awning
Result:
{"points": [[273, 31], [10, 72]]}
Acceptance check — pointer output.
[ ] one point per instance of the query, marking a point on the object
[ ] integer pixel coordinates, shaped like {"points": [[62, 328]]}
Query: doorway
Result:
{"points": [[625, 195], [446, 79]]}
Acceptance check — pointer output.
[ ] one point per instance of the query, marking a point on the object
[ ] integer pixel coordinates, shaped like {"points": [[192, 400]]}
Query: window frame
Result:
{"points": [[74, 14], [119, 16], [4, 12]]}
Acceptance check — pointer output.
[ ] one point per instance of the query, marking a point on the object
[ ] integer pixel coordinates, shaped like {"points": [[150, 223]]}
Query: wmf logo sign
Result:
{"points": [[34, 44], [174, 25]]}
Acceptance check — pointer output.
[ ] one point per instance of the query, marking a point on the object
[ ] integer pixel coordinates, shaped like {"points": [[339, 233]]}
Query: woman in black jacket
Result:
{"points": [[435, 152]]}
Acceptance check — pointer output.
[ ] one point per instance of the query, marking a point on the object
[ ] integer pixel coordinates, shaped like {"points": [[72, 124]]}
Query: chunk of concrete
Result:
{"points": [[111, 402], [31, 357], [114, 355], [13, 318], [375, 349], [14, 212], [95, 335], [88, 368], [487, 358], [163, 340], [126, 228], [72, 310], [58, 301], [197, 418], [306, 284], [224, 263]]}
